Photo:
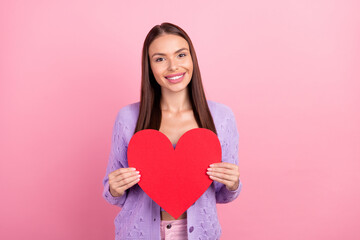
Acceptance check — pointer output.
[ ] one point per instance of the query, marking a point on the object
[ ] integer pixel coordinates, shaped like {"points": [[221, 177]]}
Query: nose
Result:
{"points": [[173, 64]]}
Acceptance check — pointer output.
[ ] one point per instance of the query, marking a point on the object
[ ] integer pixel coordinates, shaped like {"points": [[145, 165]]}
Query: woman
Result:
{"points": [[173, 102]]}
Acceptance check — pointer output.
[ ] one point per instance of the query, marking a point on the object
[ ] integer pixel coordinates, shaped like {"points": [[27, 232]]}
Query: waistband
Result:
{"points": [[174, 222]]}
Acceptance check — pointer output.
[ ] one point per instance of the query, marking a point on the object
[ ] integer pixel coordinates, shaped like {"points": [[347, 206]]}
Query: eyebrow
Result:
{"points": [[174, 52]]}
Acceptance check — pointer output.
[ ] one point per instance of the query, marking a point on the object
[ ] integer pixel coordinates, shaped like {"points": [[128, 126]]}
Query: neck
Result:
{"points": [[175, 101]]}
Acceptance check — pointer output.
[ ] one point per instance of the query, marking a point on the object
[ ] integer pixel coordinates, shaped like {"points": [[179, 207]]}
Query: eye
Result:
{"points": [[182, 54], [156, 60]]}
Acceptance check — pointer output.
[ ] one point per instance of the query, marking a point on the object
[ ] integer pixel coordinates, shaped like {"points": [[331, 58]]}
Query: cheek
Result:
{"points": [[189, 65], [156, 70]]}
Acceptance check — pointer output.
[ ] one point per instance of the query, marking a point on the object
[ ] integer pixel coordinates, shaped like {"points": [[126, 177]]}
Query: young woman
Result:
{"points": [[172, 101]]}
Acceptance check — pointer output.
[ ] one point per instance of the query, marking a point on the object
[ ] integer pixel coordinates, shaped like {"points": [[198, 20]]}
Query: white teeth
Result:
{"points": [[173, 78]]}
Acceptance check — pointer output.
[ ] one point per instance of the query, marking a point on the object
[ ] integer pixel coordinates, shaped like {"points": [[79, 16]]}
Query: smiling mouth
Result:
{"points": [[176, 77]]}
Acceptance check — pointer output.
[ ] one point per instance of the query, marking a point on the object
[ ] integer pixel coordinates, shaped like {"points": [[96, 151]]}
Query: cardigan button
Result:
{"points": [[168, 226]]}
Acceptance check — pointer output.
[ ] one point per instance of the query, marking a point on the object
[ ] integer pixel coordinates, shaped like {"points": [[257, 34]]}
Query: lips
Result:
{"points": [[174, 75]]}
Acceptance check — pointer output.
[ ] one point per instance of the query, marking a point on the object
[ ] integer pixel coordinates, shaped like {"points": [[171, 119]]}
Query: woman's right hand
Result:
{"points": [[122, 179]]}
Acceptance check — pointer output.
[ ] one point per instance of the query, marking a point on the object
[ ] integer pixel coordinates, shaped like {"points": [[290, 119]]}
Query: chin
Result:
{"points": [[175, 88]]}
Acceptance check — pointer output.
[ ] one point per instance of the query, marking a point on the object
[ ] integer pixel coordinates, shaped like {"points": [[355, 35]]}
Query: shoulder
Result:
{"points": [[224, 119], [126, 119], [219, 110], [128, 113]]}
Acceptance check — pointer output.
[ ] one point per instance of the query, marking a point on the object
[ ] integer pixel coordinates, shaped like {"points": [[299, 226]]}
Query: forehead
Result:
{"points": [[167, 43]]}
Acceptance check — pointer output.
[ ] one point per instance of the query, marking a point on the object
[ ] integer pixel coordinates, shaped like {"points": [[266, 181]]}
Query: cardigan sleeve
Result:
{"points": [[230, 150], [116, 160]]}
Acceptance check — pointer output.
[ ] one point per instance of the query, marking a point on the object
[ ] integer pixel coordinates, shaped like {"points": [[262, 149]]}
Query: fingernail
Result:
{"points": [[211, 165], [137, 172]]}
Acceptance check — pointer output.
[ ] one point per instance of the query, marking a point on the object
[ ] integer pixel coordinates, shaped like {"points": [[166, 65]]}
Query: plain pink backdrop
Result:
{"points": [[288, 69]]}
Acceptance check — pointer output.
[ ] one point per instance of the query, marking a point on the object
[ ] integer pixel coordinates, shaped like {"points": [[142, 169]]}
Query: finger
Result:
{"points": [[126, 175], [223, 170], [232, 178], [224, 165], [127, 180], [223, 181], [131, 182], [121, 170]]}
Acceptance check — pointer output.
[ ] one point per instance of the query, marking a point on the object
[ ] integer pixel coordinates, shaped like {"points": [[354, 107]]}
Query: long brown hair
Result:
{"points": [[150, 112]]}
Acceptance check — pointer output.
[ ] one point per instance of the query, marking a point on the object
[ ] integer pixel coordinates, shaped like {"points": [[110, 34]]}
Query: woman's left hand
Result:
{"points": [[226, 173]]}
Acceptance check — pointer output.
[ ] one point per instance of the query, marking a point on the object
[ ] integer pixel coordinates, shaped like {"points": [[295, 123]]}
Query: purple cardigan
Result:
{"points": [[139, 217]]}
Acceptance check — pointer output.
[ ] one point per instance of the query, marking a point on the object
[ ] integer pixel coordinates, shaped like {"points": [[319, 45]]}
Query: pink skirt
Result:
{"points": [[174, 229]]}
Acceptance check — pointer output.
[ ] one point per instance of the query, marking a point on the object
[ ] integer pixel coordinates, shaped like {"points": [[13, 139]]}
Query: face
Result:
{"points": [[170, 55]]}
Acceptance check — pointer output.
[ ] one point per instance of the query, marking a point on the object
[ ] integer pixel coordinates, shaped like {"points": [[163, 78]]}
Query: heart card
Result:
{"points": [[174, 178]]}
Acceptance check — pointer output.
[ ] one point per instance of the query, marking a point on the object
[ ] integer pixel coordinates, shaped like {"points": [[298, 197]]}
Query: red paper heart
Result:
{"points": [[174, 178]]}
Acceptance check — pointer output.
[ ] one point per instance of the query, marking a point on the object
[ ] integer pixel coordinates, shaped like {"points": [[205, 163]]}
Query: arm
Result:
{"points": [[230, 150], [116, 161]]}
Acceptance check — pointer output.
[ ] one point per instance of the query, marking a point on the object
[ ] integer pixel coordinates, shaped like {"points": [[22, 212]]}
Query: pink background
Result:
{"points": [[288, 69]]}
